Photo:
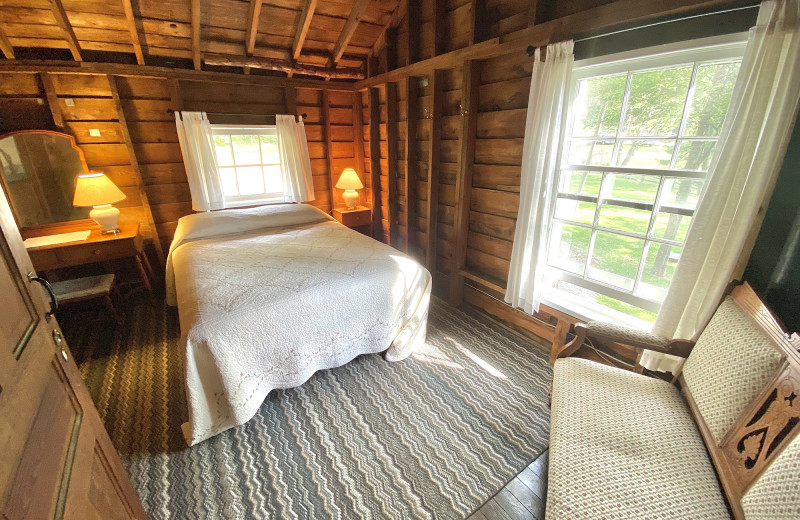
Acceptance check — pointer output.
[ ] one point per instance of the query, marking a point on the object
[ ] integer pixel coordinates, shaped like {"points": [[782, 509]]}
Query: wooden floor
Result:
{"points": [[522, 498]]}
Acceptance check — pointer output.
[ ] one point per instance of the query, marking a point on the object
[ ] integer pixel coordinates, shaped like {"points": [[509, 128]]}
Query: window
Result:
{"points": [[639, 139], [249, 164]]}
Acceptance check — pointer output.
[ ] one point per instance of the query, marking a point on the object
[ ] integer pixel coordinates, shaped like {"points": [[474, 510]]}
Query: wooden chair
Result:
{"points": [[88, 288], [741, 382]]}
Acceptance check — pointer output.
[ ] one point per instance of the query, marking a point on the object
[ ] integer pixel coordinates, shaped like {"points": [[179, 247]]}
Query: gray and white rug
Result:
{"points": [[433, 436]]}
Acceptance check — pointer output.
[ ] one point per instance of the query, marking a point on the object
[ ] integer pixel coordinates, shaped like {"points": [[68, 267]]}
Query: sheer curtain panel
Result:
{"points": [[743, 172], [200, 159], [543, 130], [298, 185]]}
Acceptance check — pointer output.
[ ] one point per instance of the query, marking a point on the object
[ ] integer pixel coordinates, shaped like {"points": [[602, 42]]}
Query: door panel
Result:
{"points": [[56, 460]]}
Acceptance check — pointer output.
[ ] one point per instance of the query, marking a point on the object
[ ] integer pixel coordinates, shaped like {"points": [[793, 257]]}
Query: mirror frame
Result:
{"points": [[32, 231]]}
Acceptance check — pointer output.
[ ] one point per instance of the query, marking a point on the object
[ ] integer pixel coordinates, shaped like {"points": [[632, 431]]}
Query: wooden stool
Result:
{"points": [[88, 288]]}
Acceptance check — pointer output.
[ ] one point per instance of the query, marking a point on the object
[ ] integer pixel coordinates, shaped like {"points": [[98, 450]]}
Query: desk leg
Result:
{"points": [[146, 262], [143, 273]]}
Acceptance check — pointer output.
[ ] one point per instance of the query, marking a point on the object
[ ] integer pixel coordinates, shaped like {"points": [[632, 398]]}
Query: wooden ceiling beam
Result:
{"points": [[252, 26], [602, 18], [136, 38], [302, 28], [148, 71], [63, 21], [282, 66], [5, 46], [196, 56], [347, 32]]}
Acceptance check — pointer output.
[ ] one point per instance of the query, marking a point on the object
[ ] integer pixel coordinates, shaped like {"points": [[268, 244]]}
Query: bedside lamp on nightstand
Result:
{"points": [[349, 182], [97, 190]]}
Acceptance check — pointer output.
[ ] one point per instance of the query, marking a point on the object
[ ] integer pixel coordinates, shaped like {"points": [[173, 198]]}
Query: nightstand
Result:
{"points": [[358, 219]]}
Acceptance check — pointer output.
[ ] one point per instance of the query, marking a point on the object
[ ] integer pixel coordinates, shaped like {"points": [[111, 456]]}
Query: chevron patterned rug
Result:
{"points": [[433, 436]]}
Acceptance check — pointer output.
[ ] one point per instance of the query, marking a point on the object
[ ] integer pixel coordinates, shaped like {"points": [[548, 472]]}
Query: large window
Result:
{"points": [[639, 140], [249, 164]]}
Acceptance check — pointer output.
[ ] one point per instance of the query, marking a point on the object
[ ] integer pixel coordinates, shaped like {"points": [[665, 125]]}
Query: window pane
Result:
{"points": [[695, 155], [222, 143], [713, 91], [619, 311], [582, 183], [624, 219], [574, 210], [251, 181], [656, 100], [228, 178], [639, 188], [658, 270], [671, 226], [597, 106], [269, 149], [569, 247], [681, 192], [273, 180], [652, 153], [591, 152], [615, 259], [246, 150]]}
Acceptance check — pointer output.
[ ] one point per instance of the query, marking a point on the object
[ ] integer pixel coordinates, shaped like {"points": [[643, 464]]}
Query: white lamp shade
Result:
{"points": [[349, 180], [95, 189]]}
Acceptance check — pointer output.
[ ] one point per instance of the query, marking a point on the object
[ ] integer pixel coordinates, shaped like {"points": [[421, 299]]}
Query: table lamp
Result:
{"points": [[349, 182], [97, 190]]}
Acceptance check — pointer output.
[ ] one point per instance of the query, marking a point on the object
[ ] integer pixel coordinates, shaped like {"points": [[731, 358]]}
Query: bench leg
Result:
{"points": [[112, 309]]}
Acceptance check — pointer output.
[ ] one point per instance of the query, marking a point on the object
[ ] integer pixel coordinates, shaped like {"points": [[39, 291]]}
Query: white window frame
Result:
{"points": [[256, 198], [694, 52]]}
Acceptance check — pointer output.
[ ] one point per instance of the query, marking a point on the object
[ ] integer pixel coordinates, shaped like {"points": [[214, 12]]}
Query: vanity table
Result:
{"points": [[128, 243]]}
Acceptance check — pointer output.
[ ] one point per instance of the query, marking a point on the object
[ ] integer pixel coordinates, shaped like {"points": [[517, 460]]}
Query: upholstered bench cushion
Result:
{"points": [[776, 493], [730, 364], [624, 446], [83, 288]]}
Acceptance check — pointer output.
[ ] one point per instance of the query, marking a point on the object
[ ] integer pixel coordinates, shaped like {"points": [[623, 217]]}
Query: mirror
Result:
{"points": [[38, 169]]}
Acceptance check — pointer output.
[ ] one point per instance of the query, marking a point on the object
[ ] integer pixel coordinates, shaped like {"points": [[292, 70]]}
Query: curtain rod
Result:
{"points": [[531, 49], [682, 19], [302, 116]]}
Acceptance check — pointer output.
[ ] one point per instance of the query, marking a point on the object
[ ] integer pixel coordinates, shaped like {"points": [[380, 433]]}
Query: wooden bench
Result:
{"points": [[87, 288], [624, 445]]}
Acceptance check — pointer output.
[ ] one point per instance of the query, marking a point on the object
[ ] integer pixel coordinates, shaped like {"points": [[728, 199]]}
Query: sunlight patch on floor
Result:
{"points": [[476, 359]]}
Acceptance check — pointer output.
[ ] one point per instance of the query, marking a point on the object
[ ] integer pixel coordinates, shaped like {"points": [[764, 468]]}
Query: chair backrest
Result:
{"points": [[741, 381]]}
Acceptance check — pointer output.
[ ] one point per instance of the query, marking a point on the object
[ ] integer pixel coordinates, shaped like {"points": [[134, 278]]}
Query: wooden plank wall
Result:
{"points": [[144, 101]]}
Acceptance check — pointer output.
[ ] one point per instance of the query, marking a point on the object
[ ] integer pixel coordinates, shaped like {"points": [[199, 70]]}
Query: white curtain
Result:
{"points": [[298, 185], [200, 159], [751, 149], [543, 130]]}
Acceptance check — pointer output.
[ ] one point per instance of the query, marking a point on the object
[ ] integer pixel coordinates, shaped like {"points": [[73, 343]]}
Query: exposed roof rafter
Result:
{"points": [[252, 26], [302, 28], [136, 38], [61, 19], [348, 31], [196, 56], [5, 46]]}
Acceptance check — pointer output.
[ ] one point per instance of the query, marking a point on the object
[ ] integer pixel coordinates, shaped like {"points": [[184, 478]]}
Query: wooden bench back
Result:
{"points": [[769, 423]]}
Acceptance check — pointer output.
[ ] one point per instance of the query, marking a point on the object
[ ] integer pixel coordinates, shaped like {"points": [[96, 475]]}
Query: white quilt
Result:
{"points": [[268, 296]]}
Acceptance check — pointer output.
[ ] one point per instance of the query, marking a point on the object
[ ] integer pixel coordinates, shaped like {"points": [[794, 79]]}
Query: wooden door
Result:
{"points": [[56, 459]]}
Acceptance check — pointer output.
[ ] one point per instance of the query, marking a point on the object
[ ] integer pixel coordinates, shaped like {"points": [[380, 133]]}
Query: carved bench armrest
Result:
{"points": [[639, 339], [570, 347]]}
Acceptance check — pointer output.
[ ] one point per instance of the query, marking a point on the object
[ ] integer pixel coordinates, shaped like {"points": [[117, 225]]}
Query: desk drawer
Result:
{"points": [[356, 218], [80, 254]]}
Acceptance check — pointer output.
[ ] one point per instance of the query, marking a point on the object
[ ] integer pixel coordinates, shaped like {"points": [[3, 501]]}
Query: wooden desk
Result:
{"points": [[128, 243]]}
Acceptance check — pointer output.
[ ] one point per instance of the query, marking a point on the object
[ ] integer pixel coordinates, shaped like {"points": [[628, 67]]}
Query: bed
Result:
{"points": [[267, 296]]}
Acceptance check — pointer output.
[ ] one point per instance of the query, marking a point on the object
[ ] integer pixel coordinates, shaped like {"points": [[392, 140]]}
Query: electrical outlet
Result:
{"points": [[69, 102], [94, 132]]}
